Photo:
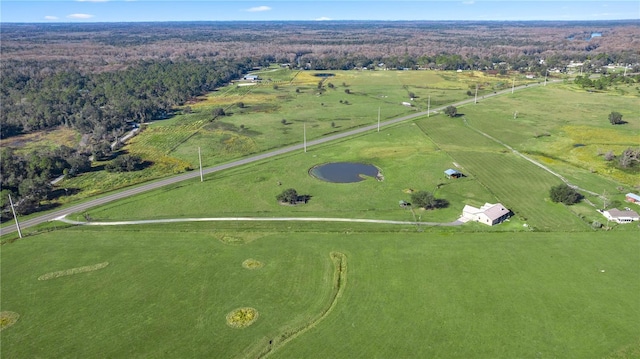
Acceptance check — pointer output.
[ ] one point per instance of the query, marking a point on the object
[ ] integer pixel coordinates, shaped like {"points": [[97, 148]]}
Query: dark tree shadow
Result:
{"points": [[60, 192], [304, 198]]}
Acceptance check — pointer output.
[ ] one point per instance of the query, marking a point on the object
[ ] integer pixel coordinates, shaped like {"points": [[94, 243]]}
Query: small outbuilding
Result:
{"points": [[633, 198], [489, 214], [618, 216], [451, 173], [251, 78]]}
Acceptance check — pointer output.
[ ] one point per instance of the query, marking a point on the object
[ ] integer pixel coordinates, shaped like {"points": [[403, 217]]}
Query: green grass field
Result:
{"points": [[555, 288], [172, 144], [167, 289]]}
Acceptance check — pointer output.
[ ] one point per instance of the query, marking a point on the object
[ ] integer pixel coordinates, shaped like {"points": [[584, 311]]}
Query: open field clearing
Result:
{"points": [[555, 288], [563, 127], [518, 184], [253, 189], [168, 289], [408, 160], [61, 136], [255, 115]]}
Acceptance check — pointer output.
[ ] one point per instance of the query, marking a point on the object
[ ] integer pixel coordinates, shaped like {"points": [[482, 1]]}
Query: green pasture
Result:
{"points": [[171, 145], [563, 127], [167, 289], [555, 288], [407, 159], [411, 156]]}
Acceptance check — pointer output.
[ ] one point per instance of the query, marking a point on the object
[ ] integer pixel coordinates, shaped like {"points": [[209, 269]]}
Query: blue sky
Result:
{"points": [[217, 10]]}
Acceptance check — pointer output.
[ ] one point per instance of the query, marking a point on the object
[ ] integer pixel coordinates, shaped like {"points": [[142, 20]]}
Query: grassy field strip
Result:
{"points": [[517, 183], [72, 271], [339, 283], [413, 295], [521, 186], [513, 150]]}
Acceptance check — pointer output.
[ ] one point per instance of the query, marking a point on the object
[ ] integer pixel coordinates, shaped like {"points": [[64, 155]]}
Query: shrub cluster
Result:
{"points": [[563, 193]]}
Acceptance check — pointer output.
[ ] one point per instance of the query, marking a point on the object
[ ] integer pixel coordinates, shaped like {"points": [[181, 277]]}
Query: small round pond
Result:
{"points": [[344, 172]]}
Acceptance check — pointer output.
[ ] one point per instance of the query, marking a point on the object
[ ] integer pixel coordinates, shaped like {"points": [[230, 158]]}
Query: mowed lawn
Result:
{"points": [[517, 183], [167, 289], [407, 159], [255, 114]]}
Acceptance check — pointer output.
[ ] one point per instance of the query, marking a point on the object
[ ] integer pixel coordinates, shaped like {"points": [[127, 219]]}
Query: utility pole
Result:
{"points": [[304, 129], [476, 99], [15, 217], [545, 77], [513, 85], [429, 106], [378, 119], [200, 160]]}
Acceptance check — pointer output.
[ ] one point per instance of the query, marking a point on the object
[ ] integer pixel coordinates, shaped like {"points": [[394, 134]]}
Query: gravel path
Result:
{"points": [[263, 219]]}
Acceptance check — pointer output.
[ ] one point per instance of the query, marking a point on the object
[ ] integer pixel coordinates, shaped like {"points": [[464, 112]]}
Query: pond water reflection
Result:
{"points": [[344, 172]]}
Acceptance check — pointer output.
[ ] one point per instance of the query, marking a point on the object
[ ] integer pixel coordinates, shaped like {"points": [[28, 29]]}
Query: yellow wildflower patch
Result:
{"points": [[242, 317], [252, 264], [8, 319]]}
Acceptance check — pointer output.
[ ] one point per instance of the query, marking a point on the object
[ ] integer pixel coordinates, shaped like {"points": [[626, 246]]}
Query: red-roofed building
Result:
{"points": [[633, 198]]}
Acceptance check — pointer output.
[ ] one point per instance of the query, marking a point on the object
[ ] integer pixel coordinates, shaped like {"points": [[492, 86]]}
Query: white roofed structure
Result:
{"points": [[489, 214]]}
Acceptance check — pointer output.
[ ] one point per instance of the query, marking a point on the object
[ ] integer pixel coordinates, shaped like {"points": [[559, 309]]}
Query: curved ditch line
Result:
{"points": [[339, 282], [516, 152], [257, 219]]}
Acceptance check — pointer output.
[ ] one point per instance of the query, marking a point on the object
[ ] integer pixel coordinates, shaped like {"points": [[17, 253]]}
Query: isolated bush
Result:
{"points": [[615, 118], [451, 111], [629, 158], [217, 112], [563, 193], [124, 163], [422, 199], [289, 195], [609, 156]]}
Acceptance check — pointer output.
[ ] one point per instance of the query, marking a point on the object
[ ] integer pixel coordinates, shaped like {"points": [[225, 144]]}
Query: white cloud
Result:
{"points": [[470, 2], [324, 18], [79, 16], [49, 17], [92, 0], [259, 9]]}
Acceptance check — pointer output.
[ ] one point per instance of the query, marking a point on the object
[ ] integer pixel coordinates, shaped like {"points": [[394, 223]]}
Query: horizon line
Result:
{"points": [[309, 20]]}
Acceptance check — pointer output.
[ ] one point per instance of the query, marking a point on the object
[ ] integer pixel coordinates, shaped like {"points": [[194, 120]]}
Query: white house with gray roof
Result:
{"points": [[489, 214], [619, 216]]}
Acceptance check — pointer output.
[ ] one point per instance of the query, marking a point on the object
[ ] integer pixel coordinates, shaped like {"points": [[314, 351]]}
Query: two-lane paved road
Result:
{"points": [[195, 174]]}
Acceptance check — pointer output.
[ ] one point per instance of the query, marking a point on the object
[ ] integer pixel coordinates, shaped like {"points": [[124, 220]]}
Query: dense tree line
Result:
{"points": [[38, 95], [26, 177], [332, 44], [605, 81]]}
